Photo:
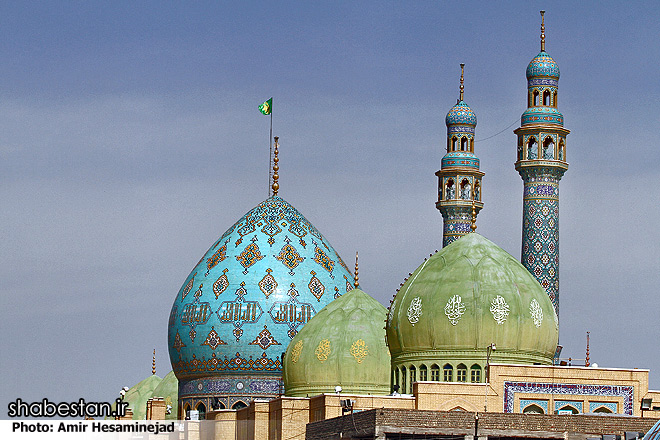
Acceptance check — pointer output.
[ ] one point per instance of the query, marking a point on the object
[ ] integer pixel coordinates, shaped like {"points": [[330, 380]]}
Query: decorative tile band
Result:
{"points": [[470, 162], [460, 129], [511, 388], [230, 386], [535, 118], [542, 82]]}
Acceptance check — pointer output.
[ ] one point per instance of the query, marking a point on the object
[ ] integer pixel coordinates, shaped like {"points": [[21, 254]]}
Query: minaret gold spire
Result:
{"points": [[542, 31], [153, 363], [276, 167], [462, 86], [357, 282], [473, 226]]}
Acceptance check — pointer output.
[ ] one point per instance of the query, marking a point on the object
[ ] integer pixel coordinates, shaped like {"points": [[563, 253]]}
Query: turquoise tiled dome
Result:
{"points": [[243, 302], [543, 65], [462, 114]]}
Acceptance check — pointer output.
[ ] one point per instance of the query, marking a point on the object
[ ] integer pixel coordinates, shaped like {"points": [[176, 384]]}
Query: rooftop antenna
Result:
{"points": [[586, 360], [542, 31], [357, 282], [276, 168], [153, 363]]}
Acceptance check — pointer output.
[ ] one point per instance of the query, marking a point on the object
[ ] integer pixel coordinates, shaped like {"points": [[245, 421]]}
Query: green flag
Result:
{"points": [[267, 107]]}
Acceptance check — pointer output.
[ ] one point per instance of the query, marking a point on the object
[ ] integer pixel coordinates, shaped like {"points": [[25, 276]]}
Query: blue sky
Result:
{"points": [[130, 140]]}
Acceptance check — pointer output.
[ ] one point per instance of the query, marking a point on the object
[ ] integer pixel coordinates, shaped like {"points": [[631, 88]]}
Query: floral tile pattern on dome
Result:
{"points": [[316, 287], [221, 284], [264, 339], [213, 339], [216, 258], [178, 343], [236, 363], [249, 256], [268, 285], [290, 257]]}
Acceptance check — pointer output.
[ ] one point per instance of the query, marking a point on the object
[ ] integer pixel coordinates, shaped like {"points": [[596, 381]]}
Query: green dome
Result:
{"points": [[344, 344], [471, 294], [168, 389], [138, 395]]}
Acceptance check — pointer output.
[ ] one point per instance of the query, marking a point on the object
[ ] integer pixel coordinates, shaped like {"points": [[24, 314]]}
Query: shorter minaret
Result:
{"points": [[459, 178]]}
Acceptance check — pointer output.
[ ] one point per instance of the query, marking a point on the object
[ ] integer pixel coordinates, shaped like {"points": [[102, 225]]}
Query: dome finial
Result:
{"points": [[542, 31], [153, 363], [357, 282], [276, 167], [586, 360], [473, 226], [462, 86]]}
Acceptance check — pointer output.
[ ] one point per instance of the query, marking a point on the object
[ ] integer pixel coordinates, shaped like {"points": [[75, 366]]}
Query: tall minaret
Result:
{"points": [[541, 162], [459, 178]]}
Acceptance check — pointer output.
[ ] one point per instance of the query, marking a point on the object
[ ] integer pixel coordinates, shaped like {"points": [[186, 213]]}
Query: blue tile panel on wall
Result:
{"points": [[556, 389]]}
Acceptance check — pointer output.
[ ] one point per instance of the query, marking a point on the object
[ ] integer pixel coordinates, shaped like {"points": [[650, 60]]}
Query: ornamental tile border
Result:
{"points": [[511, 388]]}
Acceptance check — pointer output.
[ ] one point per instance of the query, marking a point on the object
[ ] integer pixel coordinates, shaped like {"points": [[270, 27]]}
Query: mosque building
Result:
{"points": [[270, 334]]}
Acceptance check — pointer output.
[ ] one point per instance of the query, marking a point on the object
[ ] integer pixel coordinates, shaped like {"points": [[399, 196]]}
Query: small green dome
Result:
{"points": [[168, 389], [471, 294], [138, 395], [344, 344]]}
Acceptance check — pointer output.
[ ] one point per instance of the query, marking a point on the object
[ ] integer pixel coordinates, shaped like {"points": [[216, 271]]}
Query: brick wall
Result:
{"points": [[376, 422]]}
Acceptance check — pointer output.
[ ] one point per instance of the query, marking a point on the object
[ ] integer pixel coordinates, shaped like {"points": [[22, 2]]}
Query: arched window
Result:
{"points": [[404, 390], [450, 193], [435, 373], [453, 143], [464, 143], [477, 191], [472, 145], [554, 99], [448, 373], [475, 373], [561, 150], [238, 405], [413, 376], [570, 408], [186, 411], [603, 410], [535, 95], [202, 410], [531, 149], [533, 409], [546, 97], [461, 373], [548, 148], [423, 373], [465, 189]]}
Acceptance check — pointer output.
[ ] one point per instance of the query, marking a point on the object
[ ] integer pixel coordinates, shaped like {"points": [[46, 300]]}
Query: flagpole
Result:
{"points": [[270, 167]]}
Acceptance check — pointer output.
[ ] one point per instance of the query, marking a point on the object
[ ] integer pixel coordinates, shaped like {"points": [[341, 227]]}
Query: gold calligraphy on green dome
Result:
{"points": [[323, 350], [359, 350]]}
